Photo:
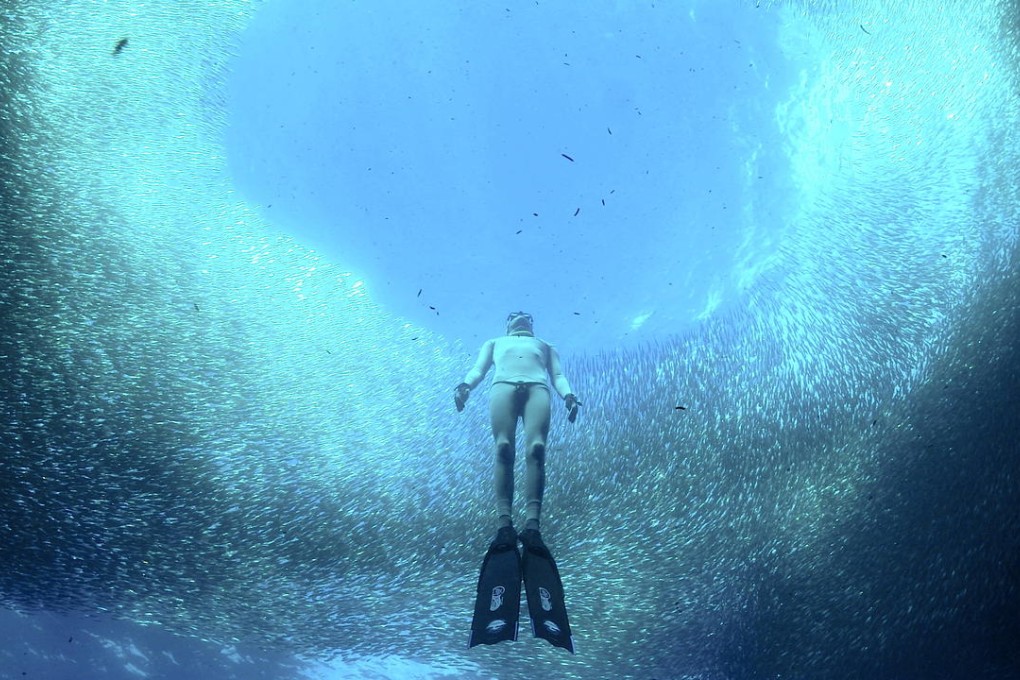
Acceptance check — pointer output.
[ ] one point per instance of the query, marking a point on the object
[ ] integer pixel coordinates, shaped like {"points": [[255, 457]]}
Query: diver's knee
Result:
{"points": [[536, 452], [504, 452]]}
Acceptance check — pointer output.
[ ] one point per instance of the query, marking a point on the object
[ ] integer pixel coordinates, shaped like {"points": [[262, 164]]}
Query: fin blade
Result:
{"points": [[498, 599], [547, 605]]}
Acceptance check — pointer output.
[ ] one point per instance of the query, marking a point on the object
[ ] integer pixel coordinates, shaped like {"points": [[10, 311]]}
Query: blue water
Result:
{"points": [[424, 147], [796, 220]]}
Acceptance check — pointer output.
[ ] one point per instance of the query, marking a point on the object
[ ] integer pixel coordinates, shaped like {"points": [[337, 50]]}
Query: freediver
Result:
{"points": [[525, 366]]}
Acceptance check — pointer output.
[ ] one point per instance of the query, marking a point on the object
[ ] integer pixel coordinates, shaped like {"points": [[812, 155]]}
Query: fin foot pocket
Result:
{"points": [[506, 538]]}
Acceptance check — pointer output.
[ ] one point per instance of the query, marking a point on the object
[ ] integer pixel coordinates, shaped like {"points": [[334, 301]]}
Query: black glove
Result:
{"points": [[571, 402], [460, 395]]}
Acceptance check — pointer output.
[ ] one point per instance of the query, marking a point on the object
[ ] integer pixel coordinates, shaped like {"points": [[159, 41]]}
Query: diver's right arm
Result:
{"points": [[474, 376]]}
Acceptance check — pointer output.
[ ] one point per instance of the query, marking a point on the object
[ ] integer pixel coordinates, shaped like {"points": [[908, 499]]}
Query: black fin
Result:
{"points": [[498, 601], [546, 604]]}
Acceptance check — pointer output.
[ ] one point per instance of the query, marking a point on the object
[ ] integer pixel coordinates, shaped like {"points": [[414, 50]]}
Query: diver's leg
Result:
{"points": [[503, 410], [536, 430]]}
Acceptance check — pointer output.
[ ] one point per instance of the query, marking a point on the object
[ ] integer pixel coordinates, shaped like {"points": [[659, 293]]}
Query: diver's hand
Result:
{"points": [[571, 402], [460, 395]]}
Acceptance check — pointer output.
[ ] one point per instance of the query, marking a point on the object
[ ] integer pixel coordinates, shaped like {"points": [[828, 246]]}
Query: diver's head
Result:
{"points": [[519, 323]]}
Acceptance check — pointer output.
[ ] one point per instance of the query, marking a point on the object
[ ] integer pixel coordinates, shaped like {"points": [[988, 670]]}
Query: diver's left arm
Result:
{"points": [[561, 385]]}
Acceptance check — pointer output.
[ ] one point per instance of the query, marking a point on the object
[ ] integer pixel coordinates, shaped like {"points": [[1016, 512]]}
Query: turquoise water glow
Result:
{"points": [[227, 408], [426, 147]]}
